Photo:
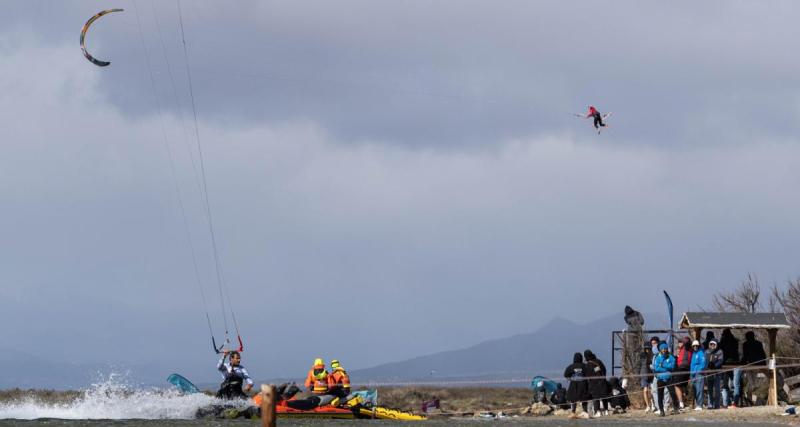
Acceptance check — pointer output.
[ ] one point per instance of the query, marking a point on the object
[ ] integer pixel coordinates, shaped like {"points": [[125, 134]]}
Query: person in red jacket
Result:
{"points": [[682, 367], [598, 118]]}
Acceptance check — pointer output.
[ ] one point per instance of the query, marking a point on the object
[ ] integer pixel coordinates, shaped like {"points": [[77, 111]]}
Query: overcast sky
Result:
{"points": [[386, 179]]}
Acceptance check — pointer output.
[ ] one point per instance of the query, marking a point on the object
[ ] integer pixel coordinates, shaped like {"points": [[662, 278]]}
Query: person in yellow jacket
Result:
{"points": [[339, 380], [318, 379]]}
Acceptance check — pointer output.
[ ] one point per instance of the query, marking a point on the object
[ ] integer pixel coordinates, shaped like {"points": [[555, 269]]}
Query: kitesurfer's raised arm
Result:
{"points": [[221, 365]]}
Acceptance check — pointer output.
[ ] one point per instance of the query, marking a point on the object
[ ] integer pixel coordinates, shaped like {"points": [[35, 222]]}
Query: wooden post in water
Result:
{"points": [[268, 416]]}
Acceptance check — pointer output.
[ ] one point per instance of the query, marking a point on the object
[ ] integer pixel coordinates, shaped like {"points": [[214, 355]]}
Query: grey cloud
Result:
{"points": [[473, 207], [458, 74]]}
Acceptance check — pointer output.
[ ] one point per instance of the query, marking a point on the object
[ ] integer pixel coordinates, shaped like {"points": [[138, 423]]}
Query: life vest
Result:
{"points": [[340, 378], [318, 383]]}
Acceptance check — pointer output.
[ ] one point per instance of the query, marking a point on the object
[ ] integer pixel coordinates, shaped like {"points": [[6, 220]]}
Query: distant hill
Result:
{"points": [[34, 372], [39, 373], [544, 352]]}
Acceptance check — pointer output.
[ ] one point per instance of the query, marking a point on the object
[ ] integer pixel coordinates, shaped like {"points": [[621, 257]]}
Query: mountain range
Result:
{"points": [[512, 360]]}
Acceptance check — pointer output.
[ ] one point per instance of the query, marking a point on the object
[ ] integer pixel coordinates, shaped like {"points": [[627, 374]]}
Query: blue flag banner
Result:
{"points": [[670, 316]]}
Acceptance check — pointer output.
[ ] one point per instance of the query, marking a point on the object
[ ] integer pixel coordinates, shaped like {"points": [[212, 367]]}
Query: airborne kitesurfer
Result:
{"points": [[234, 375], [598, 118]]}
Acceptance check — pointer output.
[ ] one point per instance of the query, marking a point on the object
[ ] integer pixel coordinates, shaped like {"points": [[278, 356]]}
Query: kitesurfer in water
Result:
{"points": [[234, 375]]}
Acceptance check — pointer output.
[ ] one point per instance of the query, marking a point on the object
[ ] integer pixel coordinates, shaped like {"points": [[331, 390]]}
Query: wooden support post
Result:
{"points": [[773, 340], [268, 416], [772, 398], [773, 385], [697, 333]]}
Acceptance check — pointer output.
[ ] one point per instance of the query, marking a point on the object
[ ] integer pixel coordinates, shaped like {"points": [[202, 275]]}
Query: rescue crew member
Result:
{"points": [[339, 380], [318, 380], [233, 375]]}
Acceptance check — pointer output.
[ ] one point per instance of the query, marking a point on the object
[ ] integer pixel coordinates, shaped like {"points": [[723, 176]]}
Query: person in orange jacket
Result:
{"points": [[339, 380], [318, 379]]}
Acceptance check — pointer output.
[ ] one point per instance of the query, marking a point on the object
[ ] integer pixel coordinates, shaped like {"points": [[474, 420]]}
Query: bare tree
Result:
{"points": [[745, 299], [789, 301]]}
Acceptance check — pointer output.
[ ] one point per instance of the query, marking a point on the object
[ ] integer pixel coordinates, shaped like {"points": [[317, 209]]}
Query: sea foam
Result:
{"points": [[110, 399]]}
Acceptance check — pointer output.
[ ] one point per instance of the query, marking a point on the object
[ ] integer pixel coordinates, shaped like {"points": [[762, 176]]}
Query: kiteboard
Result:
{"points": [[185, 386], [605, 116]]}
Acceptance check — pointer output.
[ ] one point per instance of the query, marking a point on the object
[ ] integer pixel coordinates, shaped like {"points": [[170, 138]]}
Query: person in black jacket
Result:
{"points": [[646, 376], [730, 348], [577, 390], [753, 350], [598, 386], [752, 354], [618, 398], [633, 318]]}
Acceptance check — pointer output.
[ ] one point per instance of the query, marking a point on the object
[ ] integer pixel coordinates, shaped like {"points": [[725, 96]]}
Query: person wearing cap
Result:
{"points": [[663, 366], [714, 358], [318, 379], [709, 337], [696, 374], [339, 380]]}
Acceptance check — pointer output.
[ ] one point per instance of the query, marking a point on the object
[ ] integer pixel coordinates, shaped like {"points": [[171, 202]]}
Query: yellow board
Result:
{"points": [[381, 413]]}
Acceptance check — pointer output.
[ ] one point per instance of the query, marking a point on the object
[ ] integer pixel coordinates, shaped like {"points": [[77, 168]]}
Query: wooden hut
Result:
{"points": [[695, 322]]}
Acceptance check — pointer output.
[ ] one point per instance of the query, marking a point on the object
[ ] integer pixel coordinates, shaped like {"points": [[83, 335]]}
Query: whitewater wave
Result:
{"points": [[110, 400]]}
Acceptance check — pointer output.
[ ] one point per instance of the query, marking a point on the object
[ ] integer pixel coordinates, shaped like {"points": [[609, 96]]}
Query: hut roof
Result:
{"points": [[734, 320]]}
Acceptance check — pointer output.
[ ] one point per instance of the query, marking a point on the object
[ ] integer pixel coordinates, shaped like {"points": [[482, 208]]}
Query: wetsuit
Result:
{"points": [[598, 118], [233, 378]]}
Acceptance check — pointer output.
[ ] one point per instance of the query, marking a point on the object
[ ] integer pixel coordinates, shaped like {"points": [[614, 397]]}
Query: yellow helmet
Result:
{"points": [[335, 364], [319, 363]]}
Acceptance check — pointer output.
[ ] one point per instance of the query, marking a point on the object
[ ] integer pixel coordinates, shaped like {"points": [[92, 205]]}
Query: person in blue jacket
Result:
{"points": [[663, 366], [696, 369]]}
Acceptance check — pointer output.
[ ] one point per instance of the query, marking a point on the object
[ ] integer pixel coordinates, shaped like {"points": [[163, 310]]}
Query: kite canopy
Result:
{"points": [[85, 28]]}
